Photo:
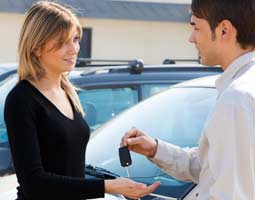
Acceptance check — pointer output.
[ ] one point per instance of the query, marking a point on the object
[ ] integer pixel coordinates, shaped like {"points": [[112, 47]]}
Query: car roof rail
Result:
{"points": [[136, 66], [173, 61]]}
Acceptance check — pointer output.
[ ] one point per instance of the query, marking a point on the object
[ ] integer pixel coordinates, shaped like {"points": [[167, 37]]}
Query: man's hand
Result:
{"points": [[139, 142], [129, 188]]}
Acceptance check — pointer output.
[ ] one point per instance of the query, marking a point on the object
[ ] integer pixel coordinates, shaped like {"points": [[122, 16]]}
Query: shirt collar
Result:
{"points": [[227, 76]]}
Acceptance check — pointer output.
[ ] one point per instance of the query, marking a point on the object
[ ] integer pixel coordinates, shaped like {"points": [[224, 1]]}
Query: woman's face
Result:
{"points": [[56, 57]]}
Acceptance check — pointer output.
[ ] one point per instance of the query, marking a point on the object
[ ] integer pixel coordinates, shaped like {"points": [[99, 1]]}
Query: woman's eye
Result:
{"points": [[77, 39]]}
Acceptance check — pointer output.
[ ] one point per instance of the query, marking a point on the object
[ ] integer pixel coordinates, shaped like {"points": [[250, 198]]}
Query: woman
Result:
{"points": [[44, 118]]}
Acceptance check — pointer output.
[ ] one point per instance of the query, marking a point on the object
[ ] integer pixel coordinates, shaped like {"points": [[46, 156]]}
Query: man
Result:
{"points": [[224, 163]]}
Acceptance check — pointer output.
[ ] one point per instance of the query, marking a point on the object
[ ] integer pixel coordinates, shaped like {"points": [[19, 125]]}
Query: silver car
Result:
{"points": [[176, 115]]}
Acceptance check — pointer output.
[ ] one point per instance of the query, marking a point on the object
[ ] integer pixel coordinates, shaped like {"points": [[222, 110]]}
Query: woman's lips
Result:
{"points": [[70, 60]]}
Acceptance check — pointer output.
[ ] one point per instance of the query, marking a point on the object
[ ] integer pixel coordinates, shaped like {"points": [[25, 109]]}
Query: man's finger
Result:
{"points": [[130, 134], [134, 141], [123, 140]]}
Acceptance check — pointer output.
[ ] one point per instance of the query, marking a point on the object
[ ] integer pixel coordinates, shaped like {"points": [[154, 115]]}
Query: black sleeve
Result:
{"points": [[21, 119]]}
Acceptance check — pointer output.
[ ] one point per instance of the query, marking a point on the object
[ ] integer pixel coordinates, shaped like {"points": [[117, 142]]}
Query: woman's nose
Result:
{"points": [[73, 47]]}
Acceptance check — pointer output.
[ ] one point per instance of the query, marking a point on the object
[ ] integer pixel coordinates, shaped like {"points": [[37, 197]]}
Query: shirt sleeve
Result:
{"points": [[181, 163], [21, 119], [231, 158]]}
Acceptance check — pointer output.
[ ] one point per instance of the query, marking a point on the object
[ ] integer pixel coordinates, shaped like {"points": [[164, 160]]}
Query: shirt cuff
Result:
{"points": [[164, 150]]}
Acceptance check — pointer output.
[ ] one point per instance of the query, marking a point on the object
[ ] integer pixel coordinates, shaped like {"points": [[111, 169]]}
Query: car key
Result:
{"points": [[125, 158]]}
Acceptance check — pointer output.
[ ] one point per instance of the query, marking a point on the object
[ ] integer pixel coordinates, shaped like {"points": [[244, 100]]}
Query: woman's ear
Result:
{"points": [[37, 52]]}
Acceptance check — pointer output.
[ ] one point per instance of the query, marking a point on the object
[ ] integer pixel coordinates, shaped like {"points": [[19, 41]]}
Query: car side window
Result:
{"points": [[151, 89], [101, 104]]}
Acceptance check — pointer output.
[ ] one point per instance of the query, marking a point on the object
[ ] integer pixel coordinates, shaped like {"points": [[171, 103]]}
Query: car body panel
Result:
{"points": [[7, 69]]}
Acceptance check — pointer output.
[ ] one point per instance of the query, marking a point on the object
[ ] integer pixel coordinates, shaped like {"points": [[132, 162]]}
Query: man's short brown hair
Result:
{"points": [[241, 13]]}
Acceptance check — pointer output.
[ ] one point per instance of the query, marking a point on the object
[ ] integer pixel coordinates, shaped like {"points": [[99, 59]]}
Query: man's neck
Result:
{"points": [[227, 60]]}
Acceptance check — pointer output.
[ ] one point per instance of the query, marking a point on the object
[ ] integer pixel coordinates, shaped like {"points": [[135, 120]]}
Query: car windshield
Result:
{"points": [[176, 115]]}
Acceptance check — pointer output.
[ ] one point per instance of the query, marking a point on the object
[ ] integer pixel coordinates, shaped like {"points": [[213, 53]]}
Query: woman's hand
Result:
{"points": [[129, 188], [139, 142]]}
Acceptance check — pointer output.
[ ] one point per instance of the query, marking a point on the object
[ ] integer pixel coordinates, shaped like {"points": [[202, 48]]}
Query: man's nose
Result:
{"points": [[192, 38]]}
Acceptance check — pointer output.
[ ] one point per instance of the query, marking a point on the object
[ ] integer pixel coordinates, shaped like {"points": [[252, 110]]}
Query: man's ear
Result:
{"points": [[227, 30]]}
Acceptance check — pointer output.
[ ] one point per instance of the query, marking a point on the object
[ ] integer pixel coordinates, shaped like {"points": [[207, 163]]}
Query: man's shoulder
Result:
{"points": [[243, 85], [240, 93]]}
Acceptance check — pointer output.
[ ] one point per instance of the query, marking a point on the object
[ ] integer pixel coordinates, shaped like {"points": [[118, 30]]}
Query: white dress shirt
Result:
{"points": [[224, 162]]}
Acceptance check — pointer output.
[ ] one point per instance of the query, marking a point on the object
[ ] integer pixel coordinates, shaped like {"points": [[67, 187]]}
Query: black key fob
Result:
{"points": [[125, 157]]}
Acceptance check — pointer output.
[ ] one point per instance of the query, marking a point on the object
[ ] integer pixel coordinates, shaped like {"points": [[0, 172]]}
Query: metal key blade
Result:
{"points": [[128, 173]]}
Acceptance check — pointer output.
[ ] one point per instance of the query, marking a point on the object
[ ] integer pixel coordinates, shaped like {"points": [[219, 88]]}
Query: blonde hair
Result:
{"points": [[43, 21]]}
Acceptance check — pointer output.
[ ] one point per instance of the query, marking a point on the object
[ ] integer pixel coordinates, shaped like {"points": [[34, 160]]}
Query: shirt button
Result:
{"points": [[196, 194]]}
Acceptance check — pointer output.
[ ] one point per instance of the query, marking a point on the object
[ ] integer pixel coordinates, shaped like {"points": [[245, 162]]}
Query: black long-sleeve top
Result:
{"points": [[48, 148]]}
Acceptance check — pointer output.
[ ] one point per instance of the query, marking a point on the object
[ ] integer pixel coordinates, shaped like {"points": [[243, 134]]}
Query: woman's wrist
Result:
{"points": [[108, 186]]}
